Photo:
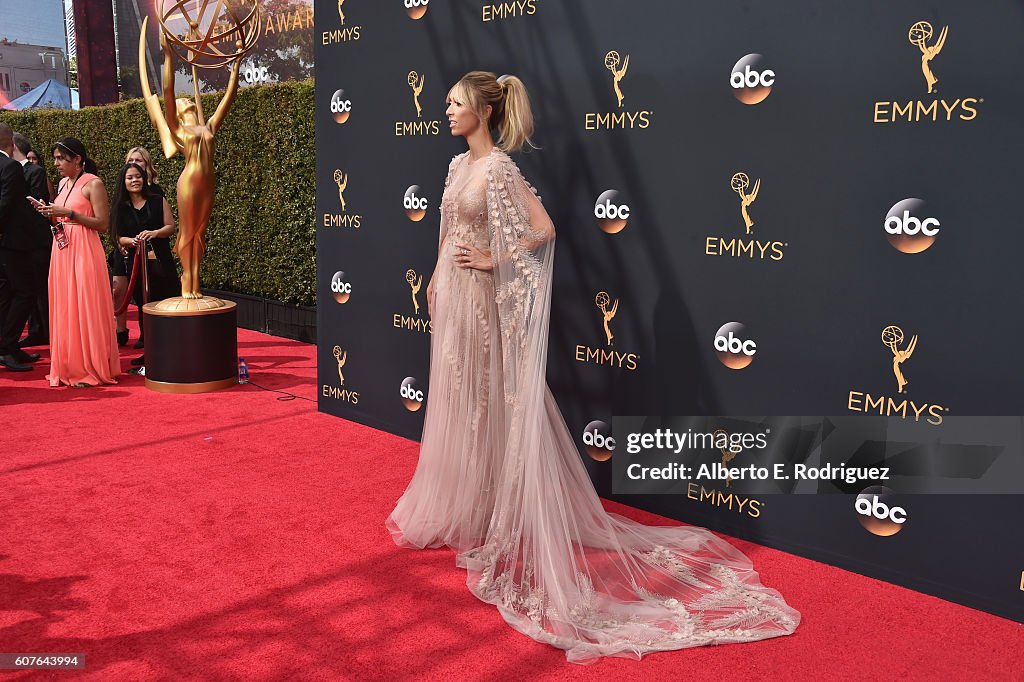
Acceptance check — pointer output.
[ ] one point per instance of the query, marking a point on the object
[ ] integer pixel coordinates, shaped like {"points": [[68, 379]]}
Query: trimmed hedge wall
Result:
{"points": [[261, 239]]}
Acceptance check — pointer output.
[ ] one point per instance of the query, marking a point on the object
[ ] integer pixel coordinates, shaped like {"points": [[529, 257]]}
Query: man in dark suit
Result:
{"points": [[19, 236], [35, 176]]}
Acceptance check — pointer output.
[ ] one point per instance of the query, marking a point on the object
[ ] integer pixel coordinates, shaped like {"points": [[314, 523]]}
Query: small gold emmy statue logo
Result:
{"points": [[341, 180], [892, 336], [739, 183], [919, 34], [214, 39], [341, 356], [414, 284], [727, 454], [611, 62], [602, 300], [341, 14], [415, 82]]}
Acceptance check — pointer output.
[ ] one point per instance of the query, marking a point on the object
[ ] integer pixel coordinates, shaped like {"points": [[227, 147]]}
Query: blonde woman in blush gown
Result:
{"points": [[500, 479]]}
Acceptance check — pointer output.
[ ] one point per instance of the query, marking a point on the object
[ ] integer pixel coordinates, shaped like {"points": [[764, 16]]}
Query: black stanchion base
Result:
{"points": [[191, 345]]}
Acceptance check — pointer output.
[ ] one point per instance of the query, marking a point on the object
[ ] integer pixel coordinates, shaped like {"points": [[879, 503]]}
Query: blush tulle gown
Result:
{"points": [[500, 479]]}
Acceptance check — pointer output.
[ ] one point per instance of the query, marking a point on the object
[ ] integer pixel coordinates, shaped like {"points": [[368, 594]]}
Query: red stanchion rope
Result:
{"points": [[136, 267]]}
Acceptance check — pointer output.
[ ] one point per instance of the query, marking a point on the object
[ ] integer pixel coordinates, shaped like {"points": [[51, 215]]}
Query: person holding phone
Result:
{"points": [[83, 350]]}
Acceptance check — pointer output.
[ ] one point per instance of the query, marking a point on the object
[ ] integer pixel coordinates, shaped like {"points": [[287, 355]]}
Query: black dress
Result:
{"points": [[163, 275]]}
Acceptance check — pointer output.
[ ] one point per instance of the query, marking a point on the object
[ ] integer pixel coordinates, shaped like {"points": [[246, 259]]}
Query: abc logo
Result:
{"points": [[735, 350], [341, 106], [750, 81], [600, 445], [908, 232], [255, 74], [416, 8], [341, 289], [412, 398], [611, 211], [415, 206], [877, 512]]}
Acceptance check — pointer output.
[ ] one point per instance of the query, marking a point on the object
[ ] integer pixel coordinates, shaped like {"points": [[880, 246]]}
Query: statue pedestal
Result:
{"points": [[191, 345]]}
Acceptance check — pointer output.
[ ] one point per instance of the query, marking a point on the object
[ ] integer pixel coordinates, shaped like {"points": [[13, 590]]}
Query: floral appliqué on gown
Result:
{"points": [[500, 479]]}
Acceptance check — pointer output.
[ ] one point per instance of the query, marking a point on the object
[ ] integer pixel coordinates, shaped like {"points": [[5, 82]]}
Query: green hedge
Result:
{"points": [[262, 236]]}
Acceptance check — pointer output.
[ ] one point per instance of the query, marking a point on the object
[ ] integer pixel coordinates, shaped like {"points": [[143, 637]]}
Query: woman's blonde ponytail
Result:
{"points": [[516, 124]]}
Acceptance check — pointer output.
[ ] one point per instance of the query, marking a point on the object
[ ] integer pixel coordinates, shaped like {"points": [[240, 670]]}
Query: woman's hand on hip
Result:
{"points": [[467, 256]]}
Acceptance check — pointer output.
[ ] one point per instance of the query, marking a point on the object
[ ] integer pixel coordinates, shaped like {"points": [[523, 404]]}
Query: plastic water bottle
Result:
{"points": [[243, 371]]}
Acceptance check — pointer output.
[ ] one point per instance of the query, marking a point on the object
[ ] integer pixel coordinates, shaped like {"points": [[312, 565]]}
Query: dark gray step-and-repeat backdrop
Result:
{"points": [[788, 208]]}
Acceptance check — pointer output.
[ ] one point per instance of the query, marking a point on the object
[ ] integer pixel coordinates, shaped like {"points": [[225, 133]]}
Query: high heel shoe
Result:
{"points": [[122, 337]]}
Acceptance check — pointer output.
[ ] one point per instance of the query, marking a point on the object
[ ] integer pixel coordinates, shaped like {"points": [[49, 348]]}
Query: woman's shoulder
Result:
{"points": [[456, 159], [501, 163], [88, 179], [157, 189]]}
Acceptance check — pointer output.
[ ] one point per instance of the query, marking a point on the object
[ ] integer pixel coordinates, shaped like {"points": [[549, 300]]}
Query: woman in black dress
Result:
{"points": [[141, 157], [141, 217]]}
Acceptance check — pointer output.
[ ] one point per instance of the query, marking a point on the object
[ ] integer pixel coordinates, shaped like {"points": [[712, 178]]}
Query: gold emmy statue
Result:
{"points": [[919, 35], [611, 62], [414, 284], [182, 125], [415, 82], [341, 179], [727, 454], [192, 340], [341, 14], [892, 336], [739, 183], [601, 301], [341, 356]]}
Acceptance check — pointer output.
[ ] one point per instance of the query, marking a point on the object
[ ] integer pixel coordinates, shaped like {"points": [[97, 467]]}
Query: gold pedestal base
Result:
{"points": [[191, 345], [205, 387], [188, 306]]}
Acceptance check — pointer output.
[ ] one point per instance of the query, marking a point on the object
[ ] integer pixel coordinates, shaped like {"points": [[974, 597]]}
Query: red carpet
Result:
{"points": [[232, 536]]}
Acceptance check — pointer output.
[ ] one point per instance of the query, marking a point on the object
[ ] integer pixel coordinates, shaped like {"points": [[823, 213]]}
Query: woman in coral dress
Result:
{"points": [[500, 479], [83, 347]]}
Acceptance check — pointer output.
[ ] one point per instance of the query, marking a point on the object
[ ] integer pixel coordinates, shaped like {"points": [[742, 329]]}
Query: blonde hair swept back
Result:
{"points": [[511, 113]]}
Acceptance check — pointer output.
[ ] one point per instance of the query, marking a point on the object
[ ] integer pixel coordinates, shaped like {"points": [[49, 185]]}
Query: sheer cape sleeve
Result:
{"points": [[522, 248]]}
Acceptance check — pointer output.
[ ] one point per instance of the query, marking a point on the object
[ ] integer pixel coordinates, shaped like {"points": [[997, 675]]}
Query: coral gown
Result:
{"points": [[83, 346], [500, 479]]}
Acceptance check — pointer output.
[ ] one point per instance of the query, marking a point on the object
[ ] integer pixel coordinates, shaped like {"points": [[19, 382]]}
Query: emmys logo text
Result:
{"points": [[412, 397], [416, 8], [922, 36], [598, 441], [751, 80], [345, 218], [341, 106], [341, 288], [610, 355], [414, 204], [733, 345], [341, 392], [507, 10], [620, 118], [732, 501], [417, 126], [908, 228], [611, 211], [347, 32], [414, 322], [902, 406], [877, 511], [748, 245]]}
